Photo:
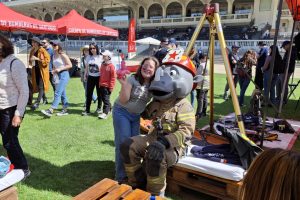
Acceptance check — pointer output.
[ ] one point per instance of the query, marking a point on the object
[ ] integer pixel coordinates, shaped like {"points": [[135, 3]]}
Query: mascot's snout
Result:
{"points": [[175, 78]]}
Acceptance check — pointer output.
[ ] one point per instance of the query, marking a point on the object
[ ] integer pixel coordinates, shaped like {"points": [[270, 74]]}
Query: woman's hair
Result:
{"points": [[138, 76], [202, 56], [60, 49], [273, 175], [7, 47], [97, 49], [249, 58], [83, 49]]}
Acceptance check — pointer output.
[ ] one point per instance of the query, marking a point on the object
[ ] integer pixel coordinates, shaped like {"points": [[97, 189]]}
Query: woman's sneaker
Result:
{"points": [[63, 112], [34, 106], [47, 112], [102, 116], [27, 173], [85, 113], [99, 111]]}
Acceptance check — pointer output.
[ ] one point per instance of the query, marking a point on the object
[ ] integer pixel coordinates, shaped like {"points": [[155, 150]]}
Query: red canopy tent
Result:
{"points": [[11, 20], [294, 6], [75, 25]]}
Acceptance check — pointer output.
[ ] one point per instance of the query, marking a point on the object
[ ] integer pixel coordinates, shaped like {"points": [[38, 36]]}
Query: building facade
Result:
{"points": [[158, 13]]}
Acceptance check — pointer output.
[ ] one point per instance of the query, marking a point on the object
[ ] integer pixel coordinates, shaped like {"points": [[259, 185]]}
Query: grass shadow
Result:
{"points": [[109, 142], [70, 179]]}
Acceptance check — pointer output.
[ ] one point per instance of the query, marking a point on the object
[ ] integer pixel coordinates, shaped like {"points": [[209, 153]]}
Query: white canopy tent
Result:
{"points": [[148, 40]]}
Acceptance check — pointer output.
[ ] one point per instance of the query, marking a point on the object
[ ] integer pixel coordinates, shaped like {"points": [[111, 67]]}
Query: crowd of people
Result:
{"points": [[241, 68], [48, 63]]}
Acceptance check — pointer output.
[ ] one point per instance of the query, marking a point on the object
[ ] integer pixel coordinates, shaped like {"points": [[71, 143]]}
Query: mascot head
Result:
{"points": [[175, 78]]}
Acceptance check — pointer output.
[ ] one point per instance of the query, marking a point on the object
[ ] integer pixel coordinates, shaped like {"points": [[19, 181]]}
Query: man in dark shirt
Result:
{"points": [[286, 45], [233, 58], [261, 58]]}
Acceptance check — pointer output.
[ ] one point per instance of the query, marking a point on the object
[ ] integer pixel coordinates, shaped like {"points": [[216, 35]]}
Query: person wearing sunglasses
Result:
{"points": [[92, 74], [61, 65]]}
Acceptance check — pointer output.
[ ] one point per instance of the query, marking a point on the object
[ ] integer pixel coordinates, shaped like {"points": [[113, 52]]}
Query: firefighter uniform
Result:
{"points": [[178, 124]]}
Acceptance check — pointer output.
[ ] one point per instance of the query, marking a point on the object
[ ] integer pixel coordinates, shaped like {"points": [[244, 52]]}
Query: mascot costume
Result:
{"points": [[147, 158]]}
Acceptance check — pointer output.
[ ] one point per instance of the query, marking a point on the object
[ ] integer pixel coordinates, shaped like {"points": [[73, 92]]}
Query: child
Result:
{"points": [[131, 102], [107, 82], [202, 87]]}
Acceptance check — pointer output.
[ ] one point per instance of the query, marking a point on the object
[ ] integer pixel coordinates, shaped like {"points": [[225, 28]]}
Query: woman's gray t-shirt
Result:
{"points": [[139, 97]]}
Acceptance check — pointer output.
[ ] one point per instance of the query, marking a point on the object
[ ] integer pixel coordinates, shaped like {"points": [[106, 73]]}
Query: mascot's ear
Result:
{"points": [[197, 79]]}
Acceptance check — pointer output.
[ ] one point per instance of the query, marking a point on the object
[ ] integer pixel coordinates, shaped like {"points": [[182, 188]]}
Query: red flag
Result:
{"points": [[131, 37]]}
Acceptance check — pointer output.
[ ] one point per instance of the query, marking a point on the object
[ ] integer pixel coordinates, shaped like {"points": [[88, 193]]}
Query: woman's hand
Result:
{"points": [[56, 70], [34, 58], [16, 121], [122, 80]]}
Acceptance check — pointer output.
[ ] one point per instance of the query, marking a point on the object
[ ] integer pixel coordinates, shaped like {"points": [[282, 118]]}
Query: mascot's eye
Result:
{"points": [[173, 73]]}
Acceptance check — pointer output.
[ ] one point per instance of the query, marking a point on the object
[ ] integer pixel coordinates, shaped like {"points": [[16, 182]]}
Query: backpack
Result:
{"points": [[11, 62]]}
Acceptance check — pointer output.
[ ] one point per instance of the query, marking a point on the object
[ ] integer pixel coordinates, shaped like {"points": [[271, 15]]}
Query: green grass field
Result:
{"points": [[69, 154]]}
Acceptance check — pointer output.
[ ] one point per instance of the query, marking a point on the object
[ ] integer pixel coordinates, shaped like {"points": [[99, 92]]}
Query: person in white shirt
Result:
{"points": [[92, 75], [14, 95]]}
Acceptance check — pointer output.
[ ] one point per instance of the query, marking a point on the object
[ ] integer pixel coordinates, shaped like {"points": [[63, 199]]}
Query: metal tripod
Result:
{"points": [[211, 14]]}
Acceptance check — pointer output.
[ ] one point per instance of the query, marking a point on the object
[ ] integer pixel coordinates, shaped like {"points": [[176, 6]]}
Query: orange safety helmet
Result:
{"points": [[176, 57]]}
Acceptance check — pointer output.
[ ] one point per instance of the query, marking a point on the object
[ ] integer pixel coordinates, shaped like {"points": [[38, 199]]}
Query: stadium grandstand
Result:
{"points": [[245, 21], [242, 19]]}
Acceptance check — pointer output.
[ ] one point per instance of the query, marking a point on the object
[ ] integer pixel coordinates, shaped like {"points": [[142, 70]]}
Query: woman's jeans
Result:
{"points": [[244, 83], [126, 125], [10, 139], [60, 90], [202, 102], [192, 95]]}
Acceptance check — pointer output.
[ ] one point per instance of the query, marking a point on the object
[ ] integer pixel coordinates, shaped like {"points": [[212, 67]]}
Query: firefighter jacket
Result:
{"points": [[177, 118]]}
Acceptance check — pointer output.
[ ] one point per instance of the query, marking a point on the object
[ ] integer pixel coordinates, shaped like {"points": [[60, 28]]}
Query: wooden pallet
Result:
{"points": [[9, 194], [179, 178], [108, 189]]}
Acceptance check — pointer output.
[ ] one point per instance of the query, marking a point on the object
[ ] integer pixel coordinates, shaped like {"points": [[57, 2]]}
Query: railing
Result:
{"points": [[231, 18], [203, 44], [183, 21], [244, 44], [115, 24]]}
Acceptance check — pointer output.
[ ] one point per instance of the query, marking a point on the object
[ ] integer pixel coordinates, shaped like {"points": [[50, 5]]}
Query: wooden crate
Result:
{"points": [[108, 189], [179, 178], [9, 194]]}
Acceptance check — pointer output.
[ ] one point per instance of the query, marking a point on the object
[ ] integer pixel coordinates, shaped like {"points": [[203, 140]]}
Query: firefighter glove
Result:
{"points": [[164, 141], [156, 151]]}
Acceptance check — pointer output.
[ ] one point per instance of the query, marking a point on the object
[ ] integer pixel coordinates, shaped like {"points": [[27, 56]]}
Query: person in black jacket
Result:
{"points": [[286, 45], [261, 58], [277, 70], [233, 58]]}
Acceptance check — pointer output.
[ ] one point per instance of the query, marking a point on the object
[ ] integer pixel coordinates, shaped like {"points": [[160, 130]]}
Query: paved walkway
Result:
{"points": [[219, 66]]}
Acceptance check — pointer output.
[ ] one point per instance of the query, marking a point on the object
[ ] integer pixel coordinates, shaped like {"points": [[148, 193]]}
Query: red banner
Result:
{"points": [[131, 36]]}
